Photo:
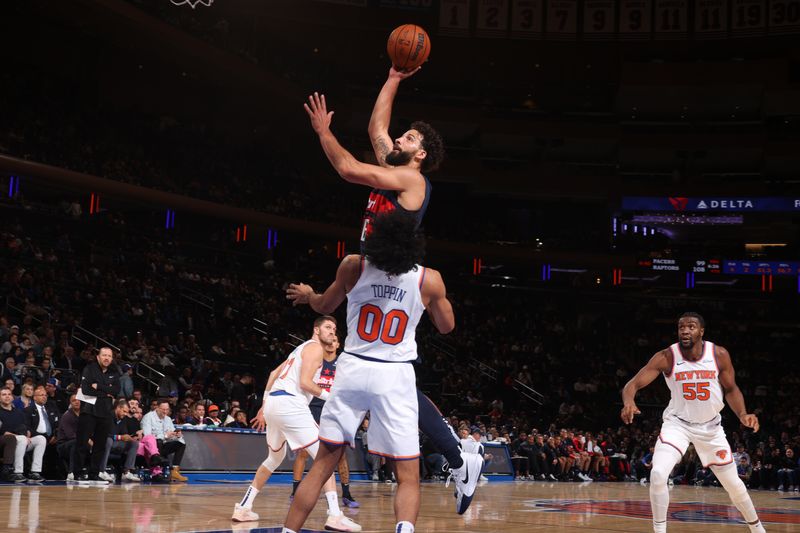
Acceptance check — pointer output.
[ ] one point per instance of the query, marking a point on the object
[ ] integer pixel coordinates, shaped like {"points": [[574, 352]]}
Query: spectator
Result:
{"points": [[66, 433], [240, 420], [198, 416], [743, 469], [787, 471], [169, 441], [55, 395], [644, 465], [13, 423], [126, 382], [9, 371], [123, 439], [25, 397], [42, 418], [213, 417]]}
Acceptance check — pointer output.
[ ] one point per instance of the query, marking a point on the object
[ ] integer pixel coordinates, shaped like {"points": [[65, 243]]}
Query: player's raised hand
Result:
{"points": [[299, 293], [317, 110], [750, 421], [628, 412], [402, 74]]}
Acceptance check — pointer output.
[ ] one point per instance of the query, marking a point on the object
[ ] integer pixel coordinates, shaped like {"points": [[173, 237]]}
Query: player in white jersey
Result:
{"points": [[698, 373], [288, 419], [386, 293]]}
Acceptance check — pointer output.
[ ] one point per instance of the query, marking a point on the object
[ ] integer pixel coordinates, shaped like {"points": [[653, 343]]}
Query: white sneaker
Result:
{"points": [[341, 523], [70, 478], [130, 476], [105, 476], [466, 479], [586, 478], [243, 514]]}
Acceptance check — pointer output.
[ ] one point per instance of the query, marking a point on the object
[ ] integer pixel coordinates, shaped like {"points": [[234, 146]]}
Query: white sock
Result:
{"points": [[249, 496], [757, 527], [287, 530], [333, 503], [660, 527], [404, 527]]}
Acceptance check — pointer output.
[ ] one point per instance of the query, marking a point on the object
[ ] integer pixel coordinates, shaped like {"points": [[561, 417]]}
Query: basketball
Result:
{"points": [[408, 46]]}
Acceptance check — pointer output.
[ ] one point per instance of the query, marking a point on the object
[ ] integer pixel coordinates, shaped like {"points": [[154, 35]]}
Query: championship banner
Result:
{"points": [[693, 205], [562, 19], [492, 18], [748, 18], [784, 17], [599, 19], [671, 19], [711, 19], [527, 19], [635, 20], [454, 18]]}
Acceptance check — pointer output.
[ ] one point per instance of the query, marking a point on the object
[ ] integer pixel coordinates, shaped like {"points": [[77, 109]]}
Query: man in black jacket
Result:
{"points": [[9, 423], [13, 423], [99, 387], [41, 418]]}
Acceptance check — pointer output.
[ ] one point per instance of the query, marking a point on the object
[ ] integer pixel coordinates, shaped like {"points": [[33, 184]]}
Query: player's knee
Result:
{"points": [[658, 477]]}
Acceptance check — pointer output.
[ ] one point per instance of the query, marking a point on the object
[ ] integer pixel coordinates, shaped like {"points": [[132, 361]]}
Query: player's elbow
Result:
{"points": [[446, 326]]}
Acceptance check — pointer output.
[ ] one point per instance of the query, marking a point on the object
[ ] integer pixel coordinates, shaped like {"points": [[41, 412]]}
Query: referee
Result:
{"points": [[99, 387]]}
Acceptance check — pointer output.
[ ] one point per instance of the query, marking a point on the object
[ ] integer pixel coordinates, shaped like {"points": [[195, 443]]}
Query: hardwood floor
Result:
{"points": [[512, 507]]}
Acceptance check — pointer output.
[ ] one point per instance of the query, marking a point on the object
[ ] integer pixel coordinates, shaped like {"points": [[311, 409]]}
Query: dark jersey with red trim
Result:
{"points": [[326, 375], [384, 201]]}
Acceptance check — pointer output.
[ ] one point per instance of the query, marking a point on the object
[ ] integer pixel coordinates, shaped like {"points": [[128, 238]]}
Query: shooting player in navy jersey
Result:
{"points": [[397, 184]]}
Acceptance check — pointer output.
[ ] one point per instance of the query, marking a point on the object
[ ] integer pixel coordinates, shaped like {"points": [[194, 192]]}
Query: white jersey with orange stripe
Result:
{"points": [[382, 314], [289, 379], [697, 396]]}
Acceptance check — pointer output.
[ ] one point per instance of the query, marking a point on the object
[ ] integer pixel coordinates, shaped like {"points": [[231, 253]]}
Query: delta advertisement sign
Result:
{"points": [[700, 204]]}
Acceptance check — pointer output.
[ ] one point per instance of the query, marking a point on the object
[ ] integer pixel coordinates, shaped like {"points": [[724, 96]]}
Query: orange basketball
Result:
{"points": [[408, 46]]}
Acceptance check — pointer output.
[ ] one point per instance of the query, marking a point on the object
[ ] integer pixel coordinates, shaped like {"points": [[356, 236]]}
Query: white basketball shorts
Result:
{"points": [[289, 420], [709, 440], [389, 392]]}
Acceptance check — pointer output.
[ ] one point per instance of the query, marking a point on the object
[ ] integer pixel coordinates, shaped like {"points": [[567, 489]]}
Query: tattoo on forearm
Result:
{"points": [[381, 147]]}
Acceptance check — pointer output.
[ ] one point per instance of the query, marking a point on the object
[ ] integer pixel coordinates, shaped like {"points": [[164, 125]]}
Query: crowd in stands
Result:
{"points": [[68, 292]]}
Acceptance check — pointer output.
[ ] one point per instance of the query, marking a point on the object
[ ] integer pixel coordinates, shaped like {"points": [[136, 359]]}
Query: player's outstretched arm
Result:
{"points": [[346, 276], [382, 114], [733, 395], [659, 363], [434, 297], [347, 166]]}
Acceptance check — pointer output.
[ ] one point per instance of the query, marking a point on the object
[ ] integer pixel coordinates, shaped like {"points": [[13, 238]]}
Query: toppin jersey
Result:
{"points": [[289, 378], [696, 393], [382, 314]]}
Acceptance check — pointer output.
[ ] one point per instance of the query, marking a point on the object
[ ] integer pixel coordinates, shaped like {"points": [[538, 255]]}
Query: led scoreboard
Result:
{"points": [[777, 268], [717, 266], [670, 264]]}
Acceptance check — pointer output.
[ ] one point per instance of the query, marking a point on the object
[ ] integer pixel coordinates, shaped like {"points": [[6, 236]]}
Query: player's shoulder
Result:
{"points": [[664, 359], [721, 354]]}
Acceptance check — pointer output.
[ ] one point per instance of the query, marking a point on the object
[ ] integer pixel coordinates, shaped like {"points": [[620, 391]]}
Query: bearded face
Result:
{"points": [[398, 158]]}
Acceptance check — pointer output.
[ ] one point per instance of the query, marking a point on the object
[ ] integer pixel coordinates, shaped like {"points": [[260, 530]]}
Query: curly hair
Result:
{"points": [[395, 245], [432, 143]]}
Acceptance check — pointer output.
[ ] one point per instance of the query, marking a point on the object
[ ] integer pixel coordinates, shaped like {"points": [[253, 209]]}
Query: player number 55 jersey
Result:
{"points": [[382, 314], [696, 393]]}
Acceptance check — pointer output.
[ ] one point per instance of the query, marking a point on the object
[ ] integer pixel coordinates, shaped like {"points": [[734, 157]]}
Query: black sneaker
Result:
{"points": [[18, 478], [35, 478]]}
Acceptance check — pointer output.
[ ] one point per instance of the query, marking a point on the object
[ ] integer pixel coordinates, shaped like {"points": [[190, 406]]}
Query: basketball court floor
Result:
{"points": [[502, 506]]}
